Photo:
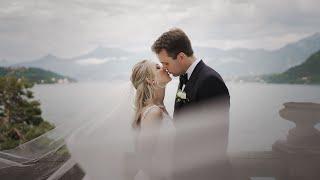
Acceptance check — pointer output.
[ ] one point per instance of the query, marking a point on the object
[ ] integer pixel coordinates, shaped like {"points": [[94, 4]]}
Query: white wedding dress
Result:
{"points": [[107, 149], [157, 162], [106, 146]]}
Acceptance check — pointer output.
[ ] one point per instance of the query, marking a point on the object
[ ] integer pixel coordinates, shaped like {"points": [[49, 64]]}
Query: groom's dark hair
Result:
{"points": [[173, 41]]}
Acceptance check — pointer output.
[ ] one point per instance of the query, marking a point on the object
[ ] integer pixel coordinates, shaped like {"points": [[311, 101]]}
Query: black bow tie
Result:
{"points": [[183, 79]]}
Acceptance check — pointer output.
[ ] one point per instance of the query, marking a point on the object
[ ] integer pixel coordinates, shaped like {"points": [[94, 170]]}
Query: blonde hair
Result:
{"points": [[141, 78]]}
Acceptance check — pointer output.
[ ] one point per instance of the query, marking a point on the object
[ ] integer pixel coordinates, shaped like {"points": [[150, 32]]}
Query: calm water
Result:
{"points": [[254, 120]]}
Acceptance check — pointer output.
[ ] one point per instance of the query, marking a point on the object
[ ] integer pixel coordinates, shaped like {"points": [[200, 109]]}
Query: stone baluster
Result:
{"points": [[300, 151]]}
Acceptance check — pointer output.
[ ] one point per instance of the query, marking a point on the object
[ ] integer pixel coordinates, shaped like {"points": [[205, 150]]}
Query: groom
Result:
{"points": [[202, 99]]}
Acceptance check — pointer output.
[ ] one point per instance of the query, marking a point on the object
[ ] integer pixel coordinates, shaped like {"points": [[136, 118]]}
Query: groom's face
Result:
{"points": [[173, 66]]}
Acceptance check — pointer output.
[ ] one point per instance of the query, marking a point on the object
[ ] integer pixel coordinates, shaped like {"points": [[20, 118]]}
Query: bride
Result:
{"points": [[151, 120], [131, 142], [149, 80]]}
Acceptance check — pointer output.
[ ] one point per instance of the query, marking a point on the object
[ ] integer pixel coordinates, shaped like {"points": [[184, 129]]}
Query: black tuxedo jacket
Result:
{"points": [[205, 85], [208, 103]]}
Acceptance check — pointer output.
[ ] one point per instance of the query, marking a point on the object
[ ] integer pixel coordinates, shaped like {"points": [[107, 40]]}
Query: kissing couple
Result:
{"points": [[191, 145]]}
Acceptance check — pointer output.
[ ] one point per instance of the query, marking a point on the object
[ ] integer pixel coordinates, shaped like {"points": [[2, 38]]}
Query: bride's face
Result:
{"points": [[161, 75]]}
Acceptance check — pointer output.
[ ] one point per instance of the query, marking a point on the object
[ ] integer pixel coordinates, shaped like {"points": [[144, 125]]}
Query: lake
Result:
{"points": [[255, 123]]}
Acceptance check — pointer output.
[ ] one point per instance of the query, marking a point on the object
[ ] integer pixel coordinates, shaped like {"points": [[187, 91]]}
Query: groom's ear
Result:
{"points": [[180, 57]]}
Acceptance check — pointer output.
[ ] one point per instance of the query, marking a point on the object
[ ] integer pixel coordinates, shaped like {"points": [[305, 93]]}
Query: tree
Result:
{"points": [[20, 114], [16, 102]]}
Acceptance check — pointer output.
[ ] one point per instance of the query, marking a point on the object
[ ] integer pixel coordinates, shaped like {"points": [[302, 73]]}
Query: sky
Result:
{"points": [[32, 28]]}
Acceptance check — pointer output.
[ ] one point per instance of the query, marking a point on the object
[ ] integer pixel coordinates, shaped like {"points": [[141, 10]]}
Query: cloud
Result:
{"points": [[91, 61], [98, 61], [30, 29]]}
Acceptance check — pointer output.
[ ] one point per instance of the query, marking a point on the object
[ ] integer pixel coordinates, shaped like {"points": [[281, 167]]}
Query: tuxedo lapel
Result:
{"points": [[193, 77], [189, 87], [196, 70]]}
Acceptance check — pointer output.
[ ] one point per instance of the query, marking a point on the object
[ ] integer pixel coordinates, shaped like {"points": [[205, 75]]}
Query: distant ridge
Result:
{"points": [[35, 75], [105, 63], [306, 73]]}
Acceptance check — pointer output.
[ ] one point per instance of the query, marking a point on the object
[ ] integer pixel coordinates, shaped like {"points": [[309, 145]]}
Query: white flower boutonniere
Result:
{"points": [[181, 96]]}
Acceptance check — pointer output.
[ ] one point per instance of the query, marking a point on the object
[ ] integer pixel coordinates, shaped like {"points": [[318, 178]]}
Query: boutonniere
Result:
{"points": [[181, 96]]}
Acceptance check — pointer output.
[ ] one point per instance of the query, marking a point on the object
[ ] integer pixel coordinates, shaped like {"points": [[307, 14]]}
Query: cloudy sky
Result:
{"points": [[31, 28]]}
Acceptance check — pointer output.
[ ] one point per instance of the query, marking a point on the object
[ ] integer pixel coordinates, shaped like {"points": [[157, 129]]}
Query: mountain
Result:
{"points": [[102, 52], [244, 62], [52, 63], [306, 73], [98, 64], [115, 63], [35, 75]]}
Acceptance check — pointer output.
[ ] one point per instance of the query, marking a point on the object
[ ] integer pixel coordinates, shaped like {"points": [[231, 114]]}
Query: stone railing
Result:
{"points": [[296, 158]]}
